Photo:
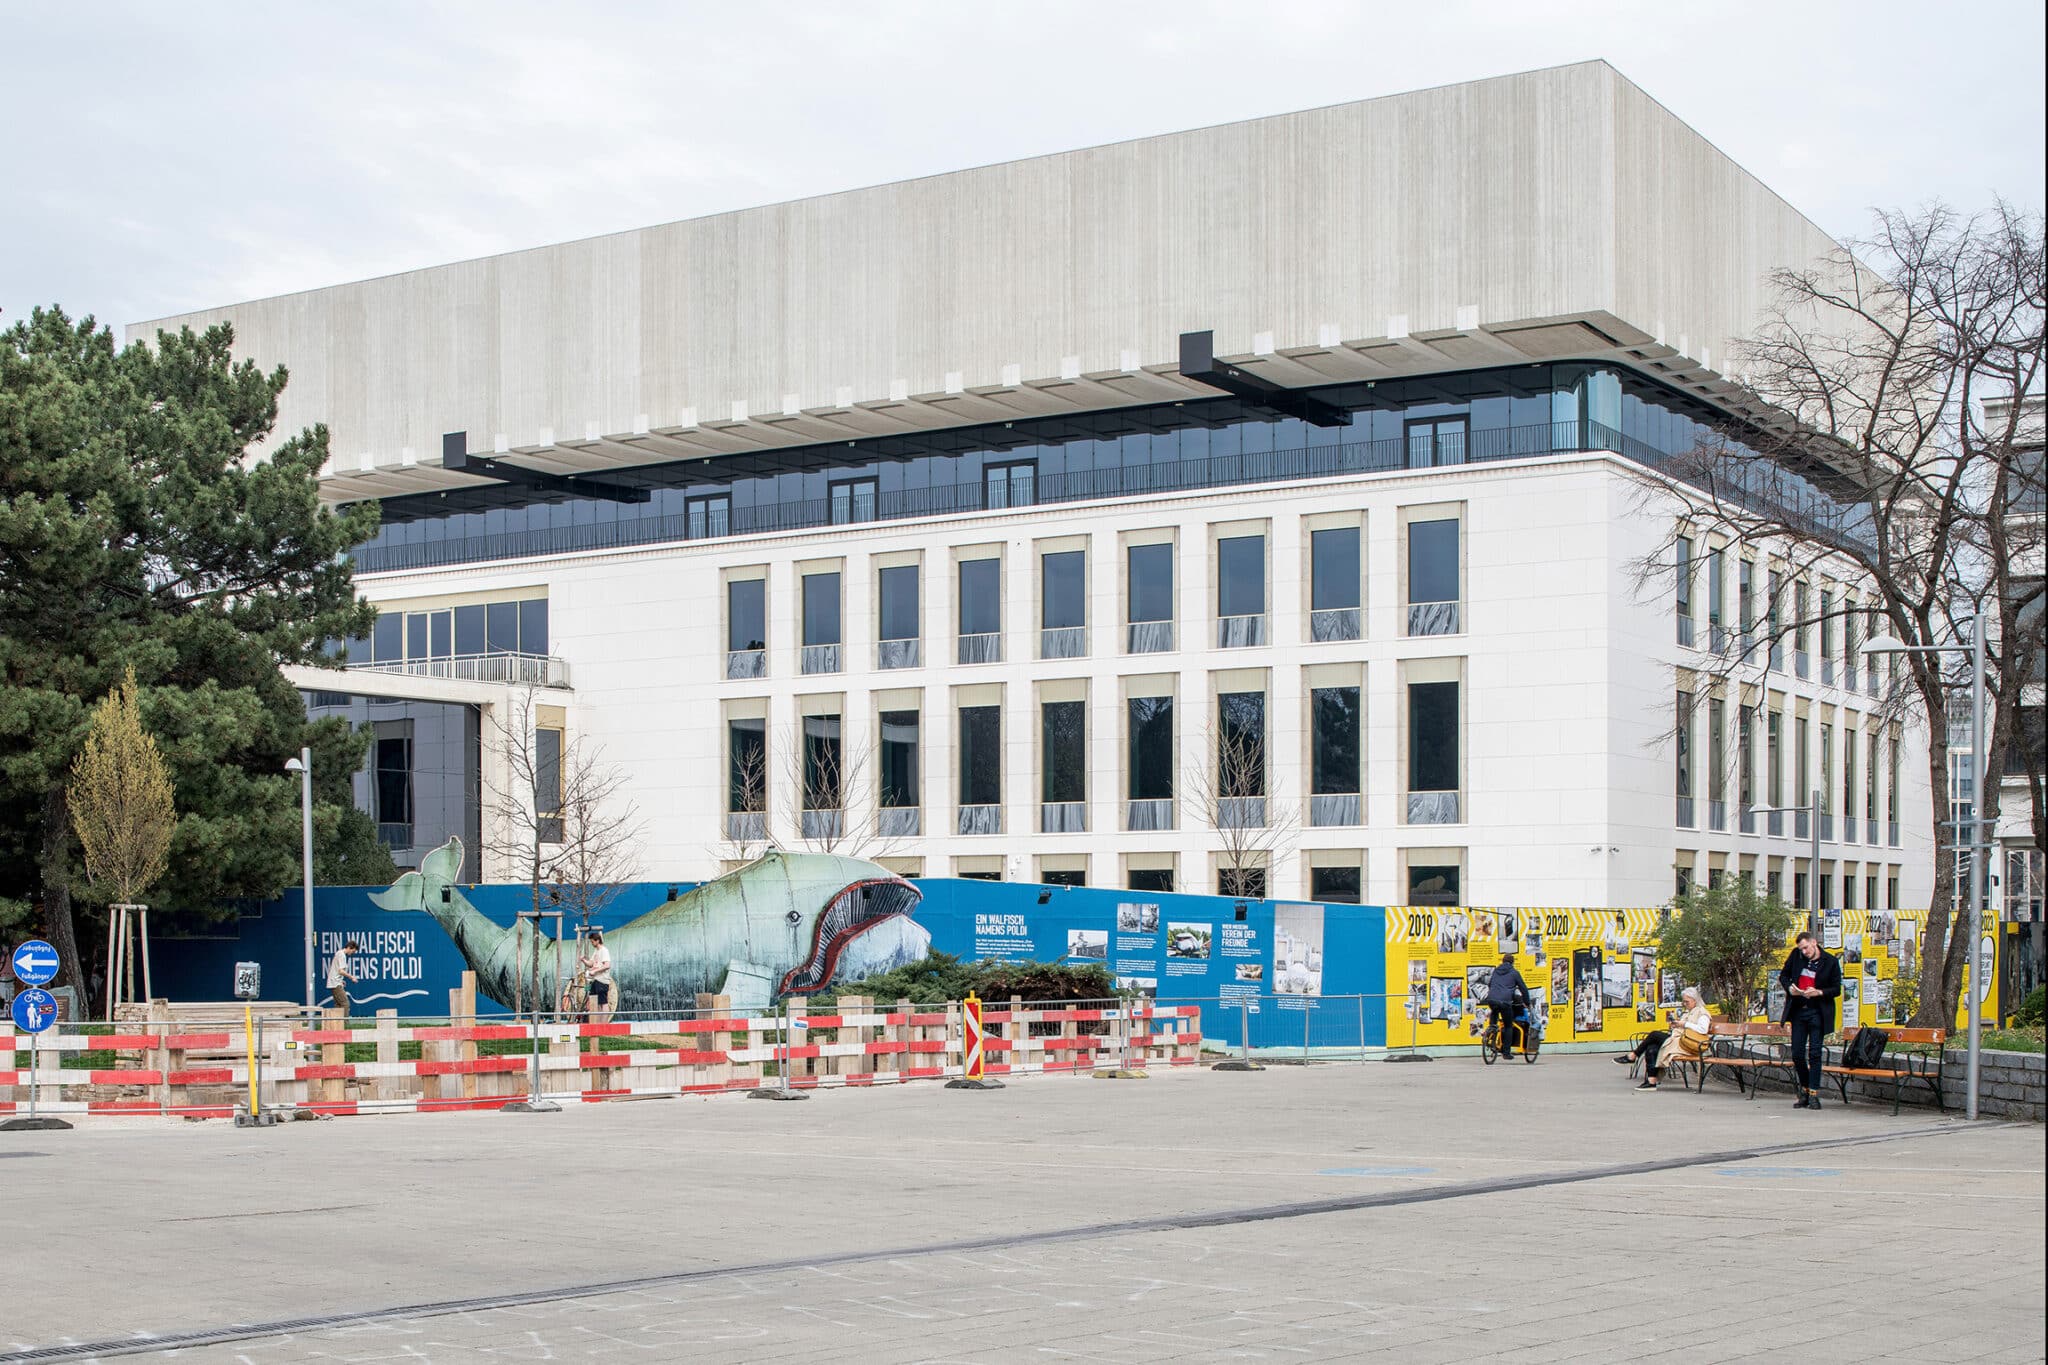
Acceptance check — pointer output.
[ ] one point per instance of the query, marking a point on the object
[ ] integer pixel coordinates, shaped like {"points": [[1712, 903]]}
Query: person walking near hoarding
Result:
{"points": [[341, 970], [597, 967], [1812, 978]]}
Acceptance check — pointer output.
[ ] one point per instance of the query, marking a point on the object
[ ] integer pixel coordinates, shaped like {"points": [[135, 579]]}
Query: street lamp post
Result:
{"points": [[303, 766], [1885, 644]]}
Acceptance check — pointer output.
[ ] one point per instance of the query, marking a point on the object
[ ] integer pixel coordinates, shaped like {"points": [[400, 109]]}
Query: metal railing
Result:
{"points": [[521, 670], [1332, 624]]}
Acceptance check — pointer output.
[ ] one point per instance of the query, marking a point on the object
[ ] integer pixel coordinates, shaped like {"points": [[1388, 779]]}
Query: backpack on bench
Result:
{"points": [[1866, 1049]]}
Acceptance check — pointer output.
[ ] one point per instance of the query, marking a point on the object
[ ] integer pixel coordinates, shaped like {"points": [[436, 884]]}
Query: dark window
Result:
{"points": [[979, 876], [981, 756], [1009, 485], [469, 630], [1063, 590], [1433, 884], [1151, 745], [821, 608], [1241, 576], [547, 784], [822, 765], [746, 749], [746, 614], [1151, 568], [1064, 735], [1333, 569], [981, 601], [416, 635], [1335, 885], [1433, 561], [1333, 760], [387, 639], [1245, 883], [501, 628], [533, 626], [441, 633], [1684, 575], [394, 780], [1240, 744], [711, 516], [899, 759], [1151, 879], [1684, 714], [1436, 441], [1062, 876], [1433, 737], [1717, 584], [853, 500], [899, 603]]}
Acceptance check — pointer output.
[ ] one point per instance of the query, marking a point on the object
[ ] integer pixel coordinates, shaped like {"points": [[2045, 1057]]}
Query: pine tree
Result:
{"points": [[147, 523]]}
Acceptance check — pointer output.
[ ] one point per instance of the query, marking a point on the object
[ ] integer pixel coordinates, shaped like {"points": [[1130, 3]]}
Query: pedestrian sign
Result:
{"points": [[35, 963], [35, 1009]]}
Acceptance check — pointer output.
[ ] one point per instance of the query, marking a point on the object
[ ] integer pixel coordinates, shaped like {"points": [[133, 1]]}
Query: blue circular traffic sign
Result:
{"points": [[35, 963], [35, 1009]]}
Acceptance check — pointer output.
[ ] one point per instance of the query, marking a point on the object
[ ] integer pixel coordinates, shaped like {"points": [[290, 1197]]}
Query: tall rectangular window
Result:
{"points": [[1802, 762], [746, 759], [1773, 616], [1800, 627], [533, 626], [898, 589], [1335, 721], [1745, 758], [1010, 485], [1717, 586], [387, 638], [981, 596], [1063, 590], [1745, 599], [416, 635], [1240, 745], [821, 608], [981, 756], [1433, 561], [853, 500], [1433, 737], [1683, 712], [1151, 587], [1063, 737], [1151, 765], [469, 630], [1870, 780], [1241, 576], [547, 784], [899, 785], [1682, 605], [1827, 771], [394, 780], [441, 634], [1849, 781], [746, 614], [1333, 569], [1774, 767], [1717, 762], [1826, 625], [1891, 797], [824, 767]]}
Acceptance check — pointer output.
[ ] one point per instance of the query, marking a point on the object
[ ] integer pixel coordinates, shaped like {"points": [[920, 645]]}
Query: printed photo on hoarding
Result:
{"points": [[1143, 985], [1561, 978], [1251, 971], [1532, 943], [1446, 999], [1646, 1011], [1614, 985], [1586, 1016], [1188, 940], [1884, 926], [1508, 931], [1670, 989], [1418, 971], [1137, 917], [1645, 961], [1852, 995], [1087, 943], [1453, 932], [1475, 984], [1615, 940], [1298, 949], [1482, 926], [1852, 948], [1881, 998]]}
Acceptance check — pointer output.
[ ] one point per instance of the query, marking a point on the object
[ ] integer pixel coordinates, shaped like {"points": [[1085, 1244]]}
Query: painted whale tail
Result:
{"points": [[427, 888]]}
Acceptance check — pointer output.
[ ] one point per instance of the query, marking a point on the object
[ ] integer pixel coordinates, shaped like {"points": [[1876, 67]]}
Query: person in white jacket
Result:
{"points": [[1659, 1048]]}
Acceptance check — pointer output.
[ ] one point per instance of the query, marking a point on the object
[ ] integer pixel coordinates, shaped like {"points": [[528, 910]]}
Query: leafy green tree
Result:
{"points": [[137, 531], [1726, 939]]}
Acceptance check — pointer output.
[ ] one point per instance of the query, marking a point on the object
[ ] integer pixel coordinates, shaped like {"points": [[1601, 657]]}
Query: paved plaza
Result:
{"points": [[1414, 1213]]}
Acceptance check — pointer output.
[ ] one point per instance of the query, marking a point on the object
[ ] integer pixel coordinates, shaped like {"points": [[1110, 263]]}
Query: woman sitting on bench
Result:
{"points": [[1684, 1039]]}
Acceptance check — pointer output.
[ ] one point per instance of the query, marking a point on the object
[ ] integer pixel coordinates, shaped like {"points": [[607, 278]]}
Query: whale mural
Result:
{"points": [[785, 924]]}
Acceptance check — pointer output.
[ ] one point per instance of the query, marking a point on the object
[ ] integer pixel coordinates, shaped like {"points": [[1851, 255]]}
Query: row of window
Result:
{"points": [[1335, 593], [1813, 770], [1775, 882], [402, 636], [828, 775], [1831, 619], [1334, 877]]}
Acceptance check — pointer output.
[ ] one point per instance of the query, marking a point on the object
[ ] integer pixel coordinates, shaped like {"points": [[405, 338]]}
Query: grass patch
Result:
{"points": [[2024, 1039]]}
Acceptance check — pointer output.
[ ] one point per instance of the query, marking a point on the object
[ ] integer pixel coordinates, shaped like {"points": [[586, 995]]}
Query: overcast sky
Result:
{"points": [[160, 158]]}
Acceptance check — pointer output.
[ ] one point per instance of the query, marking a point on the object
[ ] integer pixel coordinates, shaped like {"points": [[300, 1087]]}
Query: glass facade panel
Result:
{"points": [[1684, 750], [821, 609], [1151, 585], [1335, 720], [1433, 561], [981, 756], [533, 626], [1241, 576], [469, 630], [899, 787], [387, 638], [1240, 744], [1064, 757], [897, 588], [1433, 737], [1333, 569], [441, 634], [394, 780], [824, 766], [746, 614], [1150, 770], [416, 635], [981, 596], [1063, 590], [746, 758], [501, 628]]}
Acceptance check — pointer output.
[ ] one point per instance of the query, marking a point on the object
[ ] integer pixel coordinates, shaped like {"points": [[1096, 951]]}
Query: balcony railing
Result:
{"points": [[981, 649], [894, 822], [823, 824], [1745, 820], [521, 670], [1870, 831], [1149, 814], [1333, 624], [746, 826], [1802, 665], [1827, 828], [1063, 817], [1336, 808], [1684, 628], [1688, 813], [1891, 833], [746, 663], [980, 820], [1240, 812], [1778, 655], [1433, 808], [394, 834], [1063, 642], [899, 653], [1433, 618], [820, 659], [1240, 632], [1799, 823], [1149, 637], [1827, 671], [1717, 814]]}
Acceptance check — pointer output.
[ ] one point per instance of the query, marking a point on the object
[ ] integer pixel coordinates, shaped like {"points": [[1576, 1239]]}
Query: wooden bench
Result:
{"points": [[1742, 1049], [1911, 1066]]}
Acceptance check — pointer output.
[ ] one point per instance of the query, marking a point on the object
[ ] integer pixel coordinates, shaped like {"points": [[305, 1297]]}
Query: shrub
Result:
{"points": [[2034, 1007], [1726, 939], [941, 977]]}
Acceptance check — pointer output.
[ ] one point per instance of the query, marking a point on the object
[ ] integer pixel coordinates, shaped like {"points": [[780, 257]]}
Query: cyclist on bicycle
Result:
{"points": [[1505, 990]]}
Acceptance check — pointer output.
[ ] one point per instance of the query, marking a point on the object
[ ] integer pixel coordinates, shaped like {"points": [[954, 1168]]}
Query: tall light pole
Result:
{"points": [[1885, 644], [303, 766]]}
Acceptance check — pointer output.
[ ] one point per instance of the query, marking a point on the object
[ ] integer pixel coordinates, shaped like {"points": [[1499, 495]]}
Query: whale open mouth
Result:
{"points": [[854, 911]]}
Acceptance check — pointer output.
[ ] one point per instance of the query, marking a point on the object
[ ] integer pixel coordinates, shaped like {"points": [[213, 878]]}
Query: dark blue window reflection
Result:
{"points": [[501, 628], [1335, 722], [1241, 576], [1333, 569], [533, 626], [1151, 748], [899, 759], [469, 630], [821, 608], [981, 756], [898, 586], [746, 614], [1151, 585], [981, 602], [1433, 737], [1433, 561], [1063, 594], [1064, 736]]}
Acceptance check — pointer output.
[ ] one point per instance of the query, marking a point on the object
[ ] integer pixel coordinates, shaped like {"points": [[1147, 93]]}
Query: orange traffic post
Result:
{"points": [[974, 1071]]}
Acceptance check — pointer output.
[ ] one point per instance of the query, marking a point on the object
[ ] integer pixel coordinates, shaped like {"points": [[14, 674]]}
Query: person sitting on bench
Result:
{"points": [[1661, 1047]]}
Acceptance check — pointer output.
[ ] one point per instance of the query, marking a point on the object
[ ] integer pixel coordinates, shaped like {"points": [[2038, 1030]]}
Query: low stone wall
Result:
{"points": [[2011, 1085]]}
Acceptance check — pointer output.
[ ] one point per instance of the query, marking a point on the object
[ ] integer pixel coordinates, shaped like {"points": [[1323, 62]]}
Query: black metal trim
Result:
{"points": [[1198, 362]]}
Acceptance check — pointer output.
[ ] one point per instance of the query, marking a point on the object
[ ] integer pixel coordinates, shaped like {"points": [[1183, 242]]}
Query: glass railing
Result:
{"points": [[394, 834], [523, 670], [1240, 632], [983, 648], [1149, 814], [1687, 815], [746, 826], [746, 663], [1062, 817], [893, 822], [980, 820], [1336, 808], [1148, 637], [819, 659], [898, 653], [1063, 642], [1433, 808], [1774, 823], [1332, 624], [1433, 618], [1685, 629]]}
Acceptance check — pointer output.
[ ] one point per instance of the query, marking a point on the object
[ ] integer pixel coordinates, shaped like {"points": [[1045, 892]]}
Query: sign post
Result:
{"points": [[35, 1009], [974, 1070], [780, 1090]]}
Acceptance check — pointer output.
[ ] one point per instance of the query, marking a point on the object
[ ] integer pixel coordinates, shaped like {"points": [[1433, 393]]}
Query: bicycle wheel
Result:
{"points": [[1534, 1044], [1487, 1050]]}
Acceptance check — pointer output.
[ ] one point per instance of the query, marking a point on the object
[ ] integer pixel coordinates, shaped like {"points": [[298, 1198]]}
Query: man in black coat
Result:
{"points": [[1812, 979]]}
